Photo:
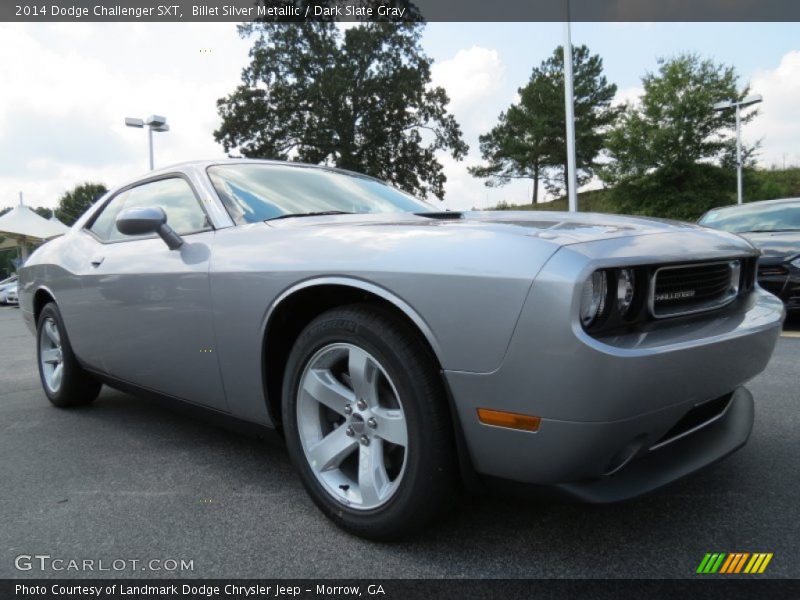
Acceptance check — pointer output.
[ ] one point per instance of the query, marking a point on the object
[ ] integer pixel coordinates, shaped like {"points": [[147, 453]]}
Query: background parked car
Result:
{"points": [[11, 295], [5, 285], [774, 227]]}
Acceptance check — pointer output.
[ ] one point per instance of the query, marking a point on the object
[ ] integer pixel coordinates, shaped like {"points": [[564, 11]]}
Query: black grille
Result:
{"points": [[793, 301], [685, 289]]}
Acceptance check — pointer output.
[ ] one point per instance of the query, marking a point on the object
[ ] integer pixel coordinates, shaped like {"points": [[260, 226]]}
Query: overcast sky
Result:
{"points": [[66, 88]]}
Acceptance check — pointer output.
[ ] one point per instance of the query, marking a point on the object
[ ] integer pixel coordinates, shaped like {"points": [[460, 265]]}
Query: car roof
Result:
{"points": [[225, 161], [753, 204], [201, 165]]}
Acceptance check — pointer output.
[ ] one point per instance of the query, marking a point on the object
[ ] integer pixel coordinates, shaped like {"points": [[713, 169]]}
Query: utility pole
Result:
{"points": [[572, 180]]}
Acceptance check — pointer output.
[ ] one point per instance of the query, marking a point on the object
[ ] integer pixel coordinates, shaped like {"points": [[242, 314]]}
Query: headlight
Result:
{"points": [[796, 263], [625, 288], [593, 297]]}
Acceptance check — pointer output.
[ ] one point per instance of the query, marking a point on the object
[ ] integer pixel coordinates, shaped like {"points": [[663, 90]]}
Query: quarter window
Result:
{"points": [[184, 213]]}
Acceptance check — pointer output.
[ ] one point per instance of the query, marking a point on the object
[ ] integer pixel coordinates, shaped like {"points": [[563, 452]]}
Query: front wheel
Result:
{"points": [[64, 381], [366, 423]]}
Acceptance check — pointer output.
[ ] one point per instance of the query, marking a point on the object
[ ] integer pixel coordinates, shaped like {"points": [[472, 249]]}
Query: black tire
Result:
{"points": [[429, 486], [78, 387]]}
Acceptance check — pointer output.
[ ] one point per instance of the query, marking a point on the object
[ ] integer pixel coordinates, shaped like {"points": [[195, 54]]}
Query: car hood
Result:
{"points": [[780, 244], [560, 228]]}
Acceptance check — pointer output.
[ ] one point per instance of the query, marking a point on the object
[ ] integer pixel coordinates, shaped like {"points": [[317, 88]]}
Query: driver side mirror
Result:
{"points": [[146, 220]]}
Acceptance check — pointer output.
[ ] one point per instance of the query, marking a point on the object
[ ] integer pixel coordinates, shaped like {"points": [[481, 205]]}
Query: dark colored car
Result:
{"points": [[774, 227]]}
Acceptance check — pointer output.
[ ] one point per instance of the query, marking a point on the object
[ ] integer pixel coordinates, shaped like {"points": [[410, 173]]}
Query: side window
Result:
{"points": [[104, 223], [174, 195]]}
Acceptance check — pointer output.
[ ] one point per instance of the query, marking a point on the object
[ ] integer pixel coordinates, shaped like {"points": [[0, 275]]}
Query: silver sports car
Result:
{"points": [[402, 351]]}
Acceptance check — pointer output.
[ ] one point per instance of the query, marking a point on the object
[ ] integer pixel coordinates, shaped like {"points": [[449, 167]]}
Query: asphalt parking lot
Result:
{"points": [[132, 479]]}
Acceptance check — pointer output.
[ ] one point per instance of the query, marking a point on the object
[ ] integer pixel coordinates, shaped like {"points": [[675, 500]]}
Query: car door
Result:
{"points": [[150, 306]]}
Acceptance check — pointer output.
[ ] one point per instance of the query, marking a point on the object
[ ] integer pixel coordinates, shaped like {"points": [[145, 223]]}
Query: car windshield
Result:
{"points": [[260, 192], [755, 217]]}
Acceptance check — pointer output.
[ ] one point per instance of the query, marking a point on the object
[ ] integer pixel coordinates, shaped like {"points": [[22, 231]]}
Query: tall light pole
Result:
{"points": [[153, 123], [738, 106], [572, 180]]}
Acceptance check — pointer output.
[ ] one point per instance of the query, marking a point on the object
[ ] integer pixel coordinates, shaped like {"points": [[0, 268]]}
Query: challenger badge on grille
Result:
{"points": [[675, 295], [694, 287]]}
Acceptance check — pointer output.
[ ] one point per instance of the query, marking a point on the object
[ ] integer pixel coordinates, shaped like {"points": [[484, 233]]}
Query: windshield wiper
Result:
{"points": [[768, 230], [311, 214]]}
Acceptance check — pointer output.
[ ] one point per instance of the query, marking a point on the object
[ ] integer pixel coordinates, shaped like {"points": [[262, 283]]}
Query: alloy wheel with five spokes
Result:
{"points": [[352, 426], [366, 421], [51, 356], [66, 383]]}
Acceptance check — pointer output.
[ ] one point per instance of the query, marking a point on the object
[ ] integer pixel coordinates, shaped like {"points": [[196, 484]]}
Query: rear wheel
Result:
{"points": [[64, 381], [366, 423]]}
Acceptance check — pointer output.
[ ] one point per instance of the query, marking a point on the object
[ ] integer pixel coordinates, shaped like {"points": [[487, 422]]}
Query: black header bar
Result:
{"points": [[400, 10], [395, 589]]}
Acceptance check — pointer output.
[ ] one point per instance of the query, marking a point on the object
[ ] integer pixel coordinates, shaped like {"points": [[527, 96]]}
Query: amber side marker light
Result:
{"points": [[500, 418]]}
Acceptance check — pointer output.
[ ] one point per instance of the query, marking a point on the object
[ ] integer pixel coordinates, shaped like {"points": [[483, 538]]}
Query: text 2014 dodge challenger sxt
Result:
{"points": [[402, 350]]}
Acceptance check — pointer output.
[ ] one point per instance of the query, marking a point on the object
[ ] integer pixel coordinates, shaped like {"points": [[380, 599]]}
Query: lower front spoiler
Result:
{"points": [[665, 464]]}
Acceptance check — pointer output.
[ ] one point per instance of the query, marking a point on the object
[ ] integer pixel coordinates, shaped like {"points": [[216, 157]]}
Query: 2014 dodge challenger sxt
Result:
{"points": [[403, 350]]}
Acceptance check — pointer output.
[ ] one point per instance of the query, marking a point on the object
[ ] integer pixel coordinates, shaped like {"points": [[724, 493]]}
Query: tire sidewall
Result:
{"points": [[317, 335], [69, 361]]}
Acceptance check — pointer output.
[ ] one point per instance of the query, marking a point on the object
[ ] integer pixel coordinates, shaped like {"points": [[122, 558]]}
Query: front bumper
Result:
{"points": [[661, 466], [608, 404]]}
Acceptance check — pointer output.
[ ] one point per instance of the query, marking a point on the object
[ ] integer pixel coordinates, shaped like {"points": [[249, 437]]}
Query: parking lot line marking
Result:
{"points": [[791, 334]]}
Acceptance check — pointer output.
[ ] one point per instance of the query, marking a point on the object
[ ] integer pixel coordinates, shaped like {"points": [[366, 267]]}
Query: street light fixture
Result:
{"points": [[749, 100], [153, 123]]}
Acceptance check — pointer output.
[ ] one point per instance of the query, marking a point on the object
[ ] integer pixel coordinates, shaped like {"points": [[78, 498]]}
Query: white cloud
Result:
{"points": [[470, 75], [68, 88], [778, 124], [629, 95], [474, 79], [471, 78]]}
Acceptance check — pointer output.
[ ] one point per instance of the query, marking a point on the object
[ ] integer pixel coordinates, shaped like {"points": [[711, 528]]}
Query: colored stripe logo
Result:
{"points": [[734, 562]]}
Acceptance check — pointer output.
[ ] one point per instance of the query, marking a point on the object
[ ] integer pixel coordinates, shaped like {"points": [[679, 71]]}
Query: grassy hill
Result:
{"points": [[759, 184], [592, 201]]}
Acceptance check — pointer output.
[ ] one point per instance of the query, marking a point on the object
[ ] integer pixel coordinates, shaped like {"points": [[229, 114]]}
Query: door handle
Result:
{"points": [[98, 260]]}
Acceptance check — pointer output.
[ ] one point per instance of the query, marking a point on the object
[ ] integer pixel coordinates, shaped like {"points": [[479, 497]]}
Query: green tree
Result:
{"points": [[359, 99], [43, 212], [519, 146], [75, 202], [666, 148], [529, 141], [674, 125]]}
